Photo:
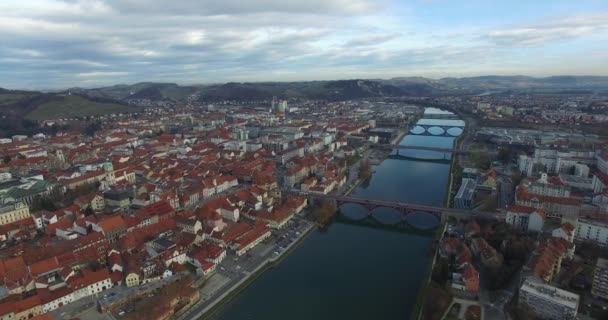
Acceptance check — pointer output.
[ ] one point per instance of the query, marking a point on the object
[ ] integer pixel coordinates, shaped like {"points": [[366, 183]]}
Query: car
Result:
{"points": [[238, 267], [275, 253], [121, 313], [222, 268], [298, 232]]}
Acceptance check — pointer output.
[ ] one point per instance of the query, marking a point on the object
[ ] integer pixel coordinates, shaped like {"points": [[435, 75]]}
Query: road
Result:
{"points": [[505, 192], [237, 269]]}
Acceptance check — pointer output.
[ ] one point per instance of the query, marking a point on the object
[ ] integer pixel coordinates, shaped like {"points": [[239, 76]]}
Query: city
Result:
{"points": [[360, 159], [104, 224]]}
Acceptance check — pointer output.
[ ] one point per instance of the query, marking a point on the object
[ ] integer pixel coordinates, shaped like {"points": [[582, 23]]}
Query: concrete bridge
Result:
{"points": [[403, 208], [449, 150], [444, 130], [445, 160], [441, 116]]}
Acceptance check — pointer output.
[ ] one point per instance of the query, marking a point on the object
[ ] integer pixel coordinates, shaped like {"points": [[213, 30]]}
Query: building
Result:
{"points": [[117, 198], [548, 302], [132, 279], [111, 227], [554, 160], [599, 287], [282, 106], [592, 230], [525, 218], [13, 212], [466, 193], [89, 282], [550, 195], [546, 260]]}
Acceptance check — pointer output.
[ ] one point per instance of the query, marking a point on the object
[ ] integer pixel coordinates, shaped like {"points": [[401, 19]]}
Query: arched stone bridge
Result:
{"points": [[404, 208]]}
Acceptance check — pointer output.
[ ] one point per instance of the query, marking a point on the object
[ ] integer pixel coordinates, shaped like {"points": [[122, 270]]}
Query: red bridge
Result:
{"points": [[454, 151], [403, 208]]}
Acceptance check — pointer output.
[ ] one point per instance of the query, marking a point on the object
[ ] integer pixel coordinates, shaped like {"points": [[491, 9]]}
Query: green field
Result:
{"points": [[74, 106]]}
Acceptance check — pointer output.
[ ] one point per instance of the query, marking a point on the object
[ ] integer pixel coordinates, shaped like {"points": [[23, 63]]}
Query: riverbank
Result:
{"points": [[243, 283], [417, 313], [422, 294], [402, 133], [455, 164]]}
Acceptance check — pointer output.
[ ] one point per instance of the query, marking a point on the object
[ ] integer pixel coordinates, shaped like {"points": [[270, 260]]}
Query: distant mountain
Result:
{"points": [[526, 83], [329, 90], [19, 103]]}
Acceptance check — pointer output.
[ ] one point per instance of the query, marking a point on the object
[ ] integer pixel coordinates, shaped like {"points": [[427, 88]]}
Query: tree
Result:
{"points": [[91, 128], [524, 312], [327, 211], [365, 169], [7, 158], [481, 160], [89, 211], [505, 154]]}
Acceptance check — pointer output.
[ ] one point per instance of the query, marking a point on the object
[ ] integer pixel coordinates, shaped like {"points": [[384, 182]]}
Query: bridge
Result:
{"points": [[444, 130], [441, 116], [445, 160], [403, 208], [437, 149]]}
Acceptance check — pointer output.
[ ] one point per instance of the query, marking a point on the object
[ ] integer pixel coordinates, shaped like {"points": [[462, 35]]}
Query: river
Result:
{"points": [[351, 271]]}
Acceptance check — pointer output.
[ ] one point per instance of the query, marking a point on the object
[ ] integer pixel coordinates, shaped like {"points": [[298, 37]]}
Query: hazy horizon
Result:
{"points": [[51, 89], [53, 44]]}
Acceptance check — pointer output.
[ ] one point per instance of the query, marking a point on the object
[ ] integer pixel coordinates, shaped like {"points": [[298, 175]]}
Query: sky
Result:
{"points": [[48, 44]]}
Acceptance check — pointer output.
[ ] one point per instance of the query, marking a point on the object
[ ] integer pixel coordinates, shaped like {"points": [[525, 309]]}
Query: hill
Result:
{"points": [[70, 106], [328, 90], [526, 83], [341, 89]]}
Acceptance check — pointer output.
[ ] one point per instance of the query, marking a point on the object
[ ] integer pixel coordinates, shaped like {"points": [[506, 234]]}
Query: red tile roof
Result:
{"points": [[112, 223]]}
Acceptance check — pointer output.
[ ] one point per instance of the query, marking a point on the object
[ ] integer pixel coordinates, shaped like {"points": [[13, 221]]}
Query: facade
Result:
{"points": [[132, 279], [592, 230], [599, 286], [525, 218], [602, 163], [112, 227], [466, 193], [13, 212], [554, 206], [548, 302]]}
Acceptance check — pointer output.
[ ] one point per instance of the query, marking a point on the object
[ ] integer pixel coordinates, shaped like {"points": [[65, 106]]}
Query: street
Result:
{"points": [[234, 269]]}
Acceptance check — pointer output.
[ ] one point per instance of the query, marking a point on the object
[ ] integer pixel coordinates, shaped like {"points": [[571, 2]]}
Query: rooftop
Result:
{"points": [[547, 292]]}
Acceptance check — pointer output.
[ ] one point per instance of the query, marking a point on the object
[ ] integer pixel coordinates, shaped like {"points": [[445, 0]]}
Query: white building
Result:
{"points": [[602, 163], [554, 161], [581, 170], [592, 230], [90, 283], [525, 218], [57, 299], [548, 302]]}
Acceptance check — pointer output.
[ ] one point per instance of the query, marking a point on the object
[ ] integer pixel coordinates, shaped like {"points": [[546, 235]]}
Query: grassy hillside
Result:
{"points": [[74, 106]]}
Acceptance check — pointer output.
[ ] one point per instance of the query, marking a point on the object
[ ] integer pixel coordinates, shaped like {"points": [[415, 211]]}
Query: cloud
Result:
{"points": [[213, 7], [559, 29], [371, 40], [102, 74], [65, 42]]}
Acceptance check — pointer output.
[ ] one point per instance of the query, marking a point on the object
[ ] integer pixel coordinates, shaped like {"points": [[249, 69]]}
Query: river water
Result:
{"points": [[352, 271]]}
